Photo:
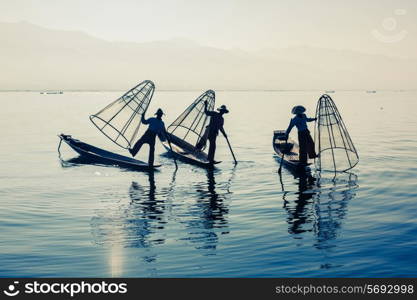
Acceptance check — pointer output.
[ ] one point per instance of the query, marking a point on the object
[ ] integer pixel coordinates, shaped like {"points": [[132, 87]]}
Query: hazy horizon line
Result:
{"points": [[301, 45]]}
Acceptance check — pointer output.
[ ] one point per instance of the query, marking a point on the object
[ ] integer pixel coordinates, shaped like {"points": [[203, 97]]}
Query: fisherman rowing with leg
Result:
{"points": [[156, 127], [305, 141], [216, 124]]}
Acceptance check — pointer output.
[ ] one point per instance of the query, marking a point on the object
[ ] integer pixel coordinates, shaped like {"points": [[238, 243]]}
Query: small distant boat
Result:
{"points": [[371, 92], [330, 92], [100, 155], [288, 151], [53, 92]]}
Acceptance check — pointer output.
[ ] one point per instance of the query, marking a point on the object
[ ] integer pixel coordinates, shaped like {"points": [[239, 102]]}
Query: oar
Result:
{"points": [[170, 147], [282, 158], [173, 154], [231, 150]]}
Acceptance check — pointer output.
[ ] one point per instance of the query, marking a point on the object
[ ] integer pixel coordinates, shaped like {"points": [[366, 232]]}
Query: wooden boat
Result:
{"points": [[187, 152], [288, 151], [104, 156]]}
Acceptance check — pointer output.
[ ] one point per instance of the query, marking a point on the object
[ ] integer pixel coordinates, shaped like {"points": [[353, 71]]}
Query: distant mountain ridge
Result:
{"points": [[32, 57]]}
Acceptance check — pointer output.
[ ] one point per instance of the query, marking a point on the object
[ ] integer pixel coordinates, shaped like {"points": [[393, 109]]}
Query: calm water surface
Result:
{"points": [[67, 219]]}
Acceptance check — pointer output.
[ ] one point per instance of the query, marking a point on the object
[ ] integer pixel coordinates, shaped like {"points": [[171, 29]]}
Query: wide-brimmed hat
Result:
{"points": [[159, 112], [223, 109], [299, 109]]}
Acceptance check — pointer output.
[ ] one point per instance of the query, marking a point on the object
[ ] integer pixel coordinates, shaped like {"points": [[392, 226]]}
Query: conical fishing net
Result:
{"points": [[333, 143], [121, 119], [190, 126]]}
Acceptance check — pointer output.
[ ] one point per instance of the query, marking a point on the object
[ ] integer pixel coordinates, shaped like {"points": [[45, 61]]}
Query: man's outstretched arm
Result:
{"points": [[206, 111], [287, 132], [143, 120]]}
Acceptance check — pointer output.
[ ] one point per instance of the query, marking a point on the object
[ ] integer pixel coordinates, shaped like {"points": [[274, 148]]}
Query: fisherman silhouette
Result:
{"points": [[156, 127], [212, 130], [305, 141]]}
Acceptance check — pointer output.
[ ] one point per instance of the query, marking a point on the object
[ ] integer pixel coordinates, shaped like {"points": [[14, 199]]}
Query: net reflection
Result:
{"points": [[333, 196], [208, 216], [319, 206]]}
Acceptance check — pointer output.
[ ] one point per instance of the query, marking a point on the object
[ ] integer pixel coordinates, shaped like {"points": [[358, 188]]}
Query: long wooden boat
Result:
{"points": [[100, 155]]}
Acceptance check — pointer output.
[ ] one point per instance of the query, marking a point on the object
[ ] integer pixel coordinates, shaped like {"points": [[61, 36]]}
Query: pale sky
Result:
{"points": [[244, 24]]}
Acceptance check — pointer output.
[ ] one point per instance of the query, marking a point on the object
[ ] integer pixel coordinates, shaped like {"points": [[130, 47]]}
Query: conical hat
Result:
{"points": [[299, 109]]}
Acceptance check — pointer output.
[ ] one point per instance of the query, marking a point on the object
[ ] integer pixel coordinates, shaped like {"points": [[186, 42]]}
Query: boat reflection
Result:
{"points": [[319, 206], [79, 161]]}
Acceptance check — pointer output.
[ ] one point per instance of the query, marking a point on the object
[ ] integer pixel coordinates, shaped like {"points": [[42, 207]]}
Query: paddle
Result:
{"points": [[173, 154], [282, 158], [230, 147]]}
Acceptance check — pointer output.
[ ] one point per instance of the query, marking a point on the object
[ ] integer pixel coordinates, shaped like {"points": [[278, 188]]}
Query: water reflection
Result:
{"points": [[300, 216], [137, 222], [147, 214], [208, 217], [319, 206], [333, 196], [140, 221]]}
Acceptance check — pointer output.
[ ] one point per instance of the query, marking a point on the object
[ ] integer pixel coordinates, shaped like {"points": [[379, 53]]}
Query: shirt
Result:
{"points": [[299, 121], [216, 122], [155, 125]]}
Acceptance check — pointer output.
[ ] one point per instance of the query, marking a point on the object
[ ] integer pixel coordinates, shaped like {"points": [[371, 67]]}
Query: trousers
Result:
{"points": [[212, 148], [148, 137], [306, 146]]}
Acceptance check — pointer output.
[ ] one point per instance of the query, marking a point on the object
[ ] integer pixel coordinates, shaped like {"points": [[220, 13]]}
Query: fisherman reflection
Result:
{"points": [[134, 223], [148, 215], [215, 208], [209, 217]]}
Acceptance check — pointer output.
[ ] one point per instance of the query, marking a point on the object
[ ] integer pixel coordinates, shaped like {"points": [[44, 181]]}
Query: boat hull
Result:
{"points": [[96, 154], [187, 153], [288, 151]]}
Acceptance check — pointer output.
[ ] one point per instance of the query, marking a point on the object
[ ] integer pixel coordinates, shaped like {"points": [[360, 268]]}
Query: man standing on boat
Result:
{"points": [[215, 125], [305, 141], [156, 127]]}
